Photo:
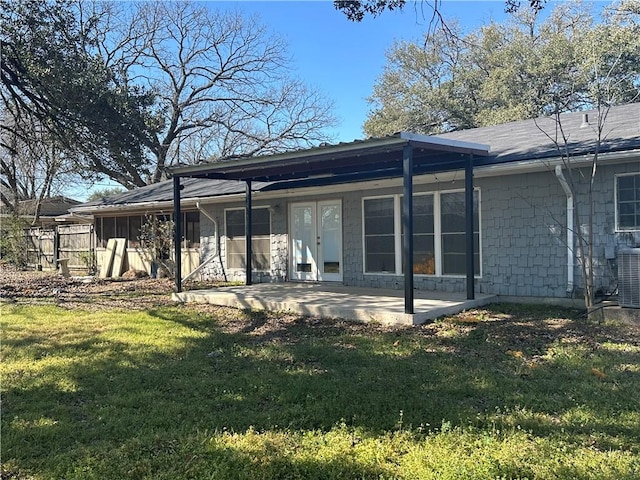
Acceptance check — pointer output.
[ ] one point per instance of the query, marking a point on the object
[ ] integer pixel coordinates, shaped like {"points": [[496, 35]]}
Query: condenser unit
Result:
{"points": [[629, 278]]}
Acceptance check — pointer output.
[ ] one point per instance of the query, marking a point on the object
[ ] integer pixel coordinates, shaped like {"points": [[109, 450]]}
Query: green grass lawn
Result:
{"points": [[176, 393]]}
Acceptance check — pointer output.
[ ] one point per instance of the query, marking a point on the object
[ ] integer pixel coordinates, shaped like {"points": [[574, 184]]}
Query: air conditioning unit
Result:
{"points": [[629, 278]]}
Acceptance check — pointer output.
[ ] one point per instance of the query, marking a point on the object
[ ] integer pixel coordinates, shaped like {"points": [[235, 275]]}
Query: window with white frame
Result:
{"points": [[628, 202], [439, 234], [260, 239], [379, 235]]}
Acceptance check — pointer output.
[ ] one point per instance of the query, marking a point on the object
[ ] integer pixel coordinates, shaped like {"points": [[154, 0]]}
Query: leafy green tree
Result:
{"points": [[50, 70], [104, 193], [523, 69]]}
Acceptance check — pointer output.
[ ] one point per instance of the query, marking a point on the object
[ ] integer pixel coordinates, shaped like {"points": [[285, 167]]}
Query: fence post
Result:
{"points": [[56, 247]]}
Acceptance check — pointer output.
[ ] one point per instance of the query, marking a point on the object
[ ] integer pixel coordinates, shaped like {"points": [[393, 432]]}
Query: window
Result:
{"points": [[191, 228], [424, 256], [439, 236], [135, 226], [261, 239], [454, 244], [628, 202], [122, 227], [105, 229], [379, 235]]}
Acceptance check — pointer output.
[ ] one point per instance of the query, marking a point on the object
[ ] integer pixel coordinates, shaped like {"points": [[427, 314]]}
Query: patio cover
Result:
{"points": [[400, 155]]}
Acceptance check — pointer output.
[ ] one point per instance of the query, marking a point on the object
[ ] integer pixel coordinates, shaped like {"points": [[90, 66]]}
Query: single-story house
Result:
{"points": [[51, 208], [492, 210]]}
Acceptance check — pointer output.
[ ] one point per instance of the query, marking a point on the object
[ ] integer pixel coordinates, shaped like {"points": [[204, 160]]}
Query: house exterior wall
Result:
{"points": [[523, 222], [213, 245], [608, 242], [524, 250]]}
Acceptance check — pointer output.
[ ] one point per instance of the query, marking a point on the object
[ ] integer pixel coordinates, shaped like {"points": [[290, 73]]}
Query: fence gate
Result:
{"points": [[41, 250], [73, 242]]}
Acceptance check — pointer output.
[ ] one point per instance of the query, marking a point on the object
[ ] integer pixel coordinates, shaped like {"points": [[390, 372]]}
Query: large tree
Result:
{"points": [[51, 72], [525, 68], [221, 83], [130, 89]]}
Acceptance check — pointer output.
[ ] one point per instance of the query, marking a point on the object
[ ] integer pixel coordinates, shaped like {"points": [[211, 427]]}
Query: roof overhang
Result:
{"points": [[359, 160]]}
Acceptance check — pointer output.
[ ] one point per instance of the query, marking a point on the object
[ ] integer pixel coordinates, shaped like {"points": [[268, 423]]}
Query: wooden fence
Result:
{"points": [[73, 242]]}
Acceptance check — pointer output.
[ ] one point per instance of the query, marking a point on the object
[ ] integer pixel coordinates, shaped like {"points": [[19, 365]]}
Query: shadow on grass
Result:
{"points": [[502, 372]]}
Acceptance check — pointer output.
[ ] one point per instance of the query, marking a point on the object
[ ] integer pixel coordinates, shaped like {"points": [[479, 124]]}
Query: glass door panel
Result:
{"points": [[316, 241], [330, 226], [304, 244]]}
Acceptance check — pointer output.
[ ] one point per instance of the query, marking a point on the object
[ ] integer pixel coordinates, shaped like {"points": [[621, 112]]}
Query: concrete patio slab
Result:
{"points": [[337, 301]]}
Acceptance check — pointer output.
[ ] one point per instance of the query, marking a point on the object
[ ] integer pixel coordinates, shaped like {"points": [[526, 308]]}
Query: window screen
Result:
{"points": [[628, 193], [452, 219]]}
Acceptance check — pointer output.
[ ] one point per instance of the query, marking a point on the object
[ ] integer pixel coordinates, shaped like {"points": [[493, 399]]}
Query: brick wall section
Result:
{"points": [[523, 236]]}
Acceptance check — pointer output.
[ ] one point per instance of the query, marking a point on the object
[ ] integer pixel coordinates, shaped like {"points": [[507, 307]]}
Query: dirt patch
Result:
{"points": [[87, 292]]}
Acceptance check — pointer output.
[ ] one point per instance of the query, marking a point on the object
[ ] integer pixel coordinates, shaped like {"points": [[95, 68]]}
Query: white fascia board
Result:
{"points": [[430, 140]]}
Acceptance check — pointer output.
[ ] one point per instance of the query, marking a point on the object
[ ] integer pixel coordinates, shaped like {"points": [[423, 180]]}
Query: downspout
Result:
{"points": [[570, 229], [215, 244]]}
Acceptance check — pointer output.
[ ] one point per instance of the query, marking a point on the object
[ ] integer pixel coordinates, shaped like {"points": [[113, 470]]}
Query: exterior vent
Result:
{"points": [[629, 278]]}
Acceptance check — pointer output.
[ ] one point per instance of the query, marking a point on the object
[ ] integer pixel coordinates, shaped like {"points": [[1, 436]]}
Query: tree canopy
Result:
{"points": [[128, 89], [221, 82], [51, 72], [525, 68], [357, 10]]}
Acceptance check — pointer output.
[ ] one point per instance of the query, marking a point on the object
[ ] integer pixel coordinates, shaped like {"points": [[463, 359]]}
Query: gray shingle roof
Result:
{"points": [[529, 139], [49, 207]]}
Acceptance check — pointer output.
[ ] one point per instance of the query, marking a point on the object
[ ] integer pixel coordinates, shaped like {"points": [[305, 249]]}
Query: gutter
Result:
{"points": [[570, 229], [544, 164], [215, 244]]}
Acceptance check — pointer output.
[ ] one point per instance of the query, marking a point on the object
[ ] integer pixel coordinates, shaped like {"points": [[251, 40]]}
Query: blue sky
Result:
{"points": [[343, 58]]}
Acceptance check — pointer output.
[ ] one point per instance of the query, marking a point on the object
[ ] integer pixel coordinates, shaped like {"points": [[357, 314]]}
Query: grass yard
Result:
{"points": [[179, 393]]}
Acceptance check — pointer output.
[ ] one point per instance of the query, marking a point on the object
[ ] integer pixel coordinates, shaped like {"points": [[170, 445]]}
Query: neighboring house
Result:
{"points": [[335, 213], [50, 209], [52, 235]]}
